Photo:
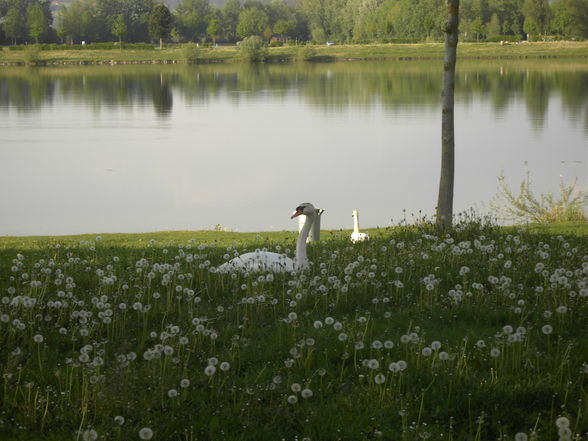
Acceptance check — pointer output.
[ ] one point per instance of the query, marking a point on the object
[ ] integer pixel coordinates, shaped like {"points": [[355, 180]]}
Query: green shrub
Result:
{"points": [[305, 53], [546, 209], [276, 43], [253, 49], [191, 52], [31, 54]]}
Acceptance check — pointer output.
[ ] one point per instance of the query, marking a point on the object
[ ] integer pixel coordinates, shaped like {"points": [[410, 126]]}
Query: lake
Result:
{"points": [[98, 149]]}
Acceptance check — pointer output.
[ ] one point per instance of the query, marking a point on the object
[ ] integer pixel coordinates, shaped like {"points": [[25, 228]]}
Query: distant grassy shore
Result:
{"points": [[288, 53], [226, 238]]}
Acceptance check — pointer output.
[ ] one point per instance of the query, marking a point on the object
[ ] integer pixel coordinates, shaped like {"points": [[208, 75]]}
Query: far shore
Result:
{"points": [[320, 53]]}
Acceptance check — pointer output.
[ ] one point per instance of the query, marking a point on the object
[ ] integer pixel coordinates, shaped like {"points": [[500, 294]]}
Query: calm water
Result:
{"points": [[149, 148]]}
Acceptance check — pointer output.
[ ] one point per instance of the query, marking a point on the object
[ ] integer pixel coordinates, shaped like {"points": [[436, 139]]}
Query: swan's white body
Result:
{"points": [[356, 236], [266, 261]]}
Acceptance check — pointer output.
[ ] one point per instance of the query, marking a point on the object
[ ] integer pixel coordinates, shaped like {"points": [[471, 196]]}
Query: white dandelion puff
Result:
{"points": [[306, 393], [145, 433]]}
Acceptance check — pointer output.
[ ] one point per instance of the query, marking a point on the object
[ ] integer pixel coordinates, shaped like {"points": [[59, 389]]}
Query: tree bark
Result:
{"points": [[445, 199]]}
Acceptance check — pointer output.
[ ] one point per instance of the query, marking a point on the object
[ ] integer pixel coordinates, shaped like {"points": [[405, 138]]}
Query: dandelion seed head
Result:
{"points": [[306, 393], [90, 435], [379, 379], [172, 393], [145, 433]]}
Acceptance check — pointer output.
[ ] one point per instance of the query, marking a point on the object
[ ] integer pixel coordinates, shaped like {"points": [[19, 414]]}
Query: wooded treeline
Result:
{"points": [[341, 21]]}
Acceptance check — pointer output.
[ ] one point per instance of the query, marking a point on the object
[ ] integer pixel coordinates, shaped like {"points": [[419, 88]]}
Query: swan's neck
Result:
{"points": [[355, 223], [301, 257]]}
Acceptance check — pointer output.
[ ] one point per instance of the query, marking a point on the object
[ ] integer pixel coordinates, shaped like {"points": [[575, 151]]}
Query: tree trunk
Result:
{"points": [[445, 200], [161, 43]]}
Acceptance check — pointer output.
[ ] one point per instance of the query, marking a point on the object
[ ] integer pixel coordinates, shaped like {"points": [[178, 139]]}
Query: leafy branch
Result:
{"points": [[525, 206]]}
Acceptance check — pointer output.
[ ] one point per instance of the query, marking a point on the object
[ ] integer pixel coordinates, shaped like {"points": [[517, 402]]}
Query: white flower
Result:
{"points": [[379, 379], [172, 393], [90, 435], [120, 420], [562, 423], [210, 370], [296, 387], [145, 433], [373, 363], [306, 393], [292, 399], [39, 339], [521, 436], [377, 344], [494, 352], [225, 366], [547, 329]]}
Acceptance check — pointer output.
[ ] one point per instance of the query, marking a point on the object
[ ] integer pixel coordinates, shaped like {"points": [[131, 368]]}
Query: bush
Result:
{"points": [[276, 43], [31, 54], [305, 53], [545, 209], [253, 49], [191, 52]]}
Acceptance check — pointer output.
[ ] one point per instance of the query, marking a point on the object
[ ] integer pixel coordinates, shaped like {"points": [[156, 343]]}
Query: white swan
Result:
{"points": [[356, 236], [273, 262]]}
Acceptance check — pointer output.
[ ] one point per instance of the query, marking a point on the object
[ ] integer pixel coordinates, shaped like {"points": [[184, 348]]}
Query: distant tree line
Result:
{"points": [[342, 21]]}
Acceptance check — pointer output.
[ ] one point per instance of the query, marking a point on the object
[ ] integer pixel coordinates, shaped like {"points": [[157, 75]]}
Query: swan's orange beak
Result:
{"points": [[297, 213]]}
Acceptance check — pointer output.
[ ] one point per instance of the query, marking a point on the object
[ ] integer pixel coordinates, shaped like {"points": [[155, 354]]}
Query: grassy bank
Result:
{"points": [[479, 335], [286, 53]]}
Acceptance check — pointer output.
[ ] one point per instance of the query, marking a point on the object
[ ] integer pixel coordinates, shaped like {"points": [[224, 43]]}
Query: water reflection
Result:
{"points": [[145, 148], [333, 87]]}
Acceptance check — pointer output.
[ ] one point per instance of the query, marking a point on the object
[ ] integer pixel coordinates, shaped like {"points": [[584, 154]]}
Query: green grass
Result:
{"points": [[322, 53], [98, 327]]}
